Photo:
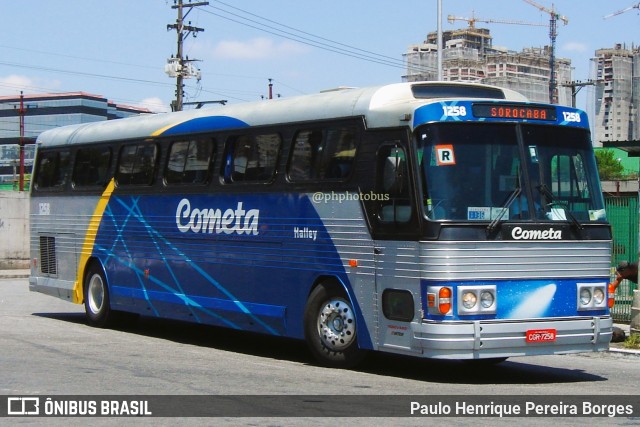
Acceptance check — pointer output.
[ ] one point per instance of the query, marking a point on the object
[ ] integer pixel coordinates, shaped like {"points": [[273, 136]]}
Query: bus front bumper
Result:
{"points": [[484, 339]]}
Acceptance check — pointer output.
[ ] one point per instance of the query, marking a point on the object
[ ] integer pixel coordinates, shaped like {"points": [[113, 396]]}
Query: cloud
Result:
{"points": [[13, 84], [575, 47], [257, 48], [155, 104]]}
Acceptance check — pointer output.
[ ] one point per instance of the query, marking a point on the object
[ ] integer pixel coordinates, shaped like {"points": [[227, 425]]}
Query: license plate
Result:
{"points": [[541, 335]]}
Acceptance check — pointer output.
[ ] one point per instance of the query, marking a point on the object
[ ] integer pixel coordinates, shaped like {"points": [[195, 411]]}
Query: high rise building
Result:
{"points": [[469, 55], [616, 72]]}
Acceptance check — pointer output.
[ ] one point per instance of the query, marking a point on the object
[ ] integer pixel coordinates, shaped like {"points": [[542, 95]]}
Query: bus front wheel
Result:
{"points": [[96, 297], [330, 328]]}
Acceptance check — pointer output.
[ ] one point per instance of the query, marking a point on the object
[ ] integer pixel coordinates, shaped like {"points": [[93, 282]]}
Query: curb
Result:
{"points": [[624, 351], [15, 274]]}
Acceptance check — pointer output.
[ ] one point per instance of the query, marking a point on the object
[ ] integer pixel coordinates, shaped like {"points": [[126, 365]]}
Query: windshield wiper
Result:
{"points": [[505, 208], [554, 200]]}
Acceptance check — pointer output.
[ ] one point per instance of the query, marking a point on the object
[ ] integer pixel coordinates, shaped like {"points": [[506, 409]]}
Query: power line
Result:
{"points": [[353, 52], [268, 26], [353, 48], [86, 74]]}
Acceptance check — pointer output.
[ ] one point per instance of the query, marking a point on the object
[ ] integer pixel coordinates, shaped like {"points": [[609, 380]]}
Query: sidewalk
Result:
{"points": [[14, 274]]}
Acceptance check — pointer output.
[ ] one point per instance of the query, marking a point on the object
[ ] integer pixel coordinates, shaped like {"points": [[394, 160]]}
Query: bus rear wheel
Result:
{"points": [[97, 302], [96, 298], [330, 328]]}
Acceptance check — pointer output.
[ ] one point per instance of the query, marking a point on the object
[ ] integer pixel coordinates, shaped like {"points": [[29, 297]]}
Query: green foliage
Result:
{"points": [[633, 341], [609, 168]]}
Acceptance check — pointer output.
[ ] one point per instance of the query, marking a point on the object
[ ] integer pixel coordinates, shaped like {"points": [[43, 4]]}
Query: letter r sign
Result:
{"points": [[445, 155]]}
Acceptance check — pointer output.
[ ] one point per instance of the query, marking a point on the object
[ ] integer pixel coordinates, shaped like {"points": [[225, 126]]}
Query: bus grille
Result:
{"points": [[48, 255]]}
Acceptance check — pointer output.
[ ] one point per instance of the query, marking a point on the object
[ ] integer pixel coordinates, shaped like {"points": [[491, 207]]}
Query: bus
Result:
{"points": [[430, 219]]}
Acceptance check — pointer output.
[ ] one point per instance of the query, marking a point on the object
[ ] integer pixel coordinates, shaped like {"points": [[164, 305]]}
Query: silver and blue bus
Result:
{"points": [[437, 220]]}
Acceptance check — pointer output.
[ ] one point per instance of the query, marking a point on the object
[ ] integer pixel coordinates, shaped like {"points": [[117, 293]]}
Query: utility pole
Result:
{"points": [[575, 88], [178, 66], [22, 141], [21, 112]]}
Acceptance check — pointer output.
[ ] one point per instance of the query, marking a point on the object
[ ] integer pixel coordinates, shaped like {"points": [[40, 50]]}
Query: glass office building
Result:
{"points": [[46, 111]]}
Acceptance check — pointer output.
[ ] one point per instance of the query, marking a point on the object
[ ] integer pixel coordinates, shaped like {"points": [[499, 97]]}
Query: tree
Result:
{"points": [[609, 168]]}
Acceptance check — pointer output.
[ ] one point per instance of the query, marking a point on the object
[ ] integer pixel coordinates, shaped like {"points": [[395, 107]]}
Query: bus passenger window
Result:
{"points": [[251, 158], [137, 164], [307, 145], [339, 153], [322, 154], [52, 170], [91, 168], [189, 162]]}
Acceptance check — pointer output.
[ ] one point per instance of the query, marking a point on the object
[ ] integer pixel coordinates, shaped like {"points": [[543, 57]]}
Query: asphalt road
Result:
{"points": [[47, 349]]}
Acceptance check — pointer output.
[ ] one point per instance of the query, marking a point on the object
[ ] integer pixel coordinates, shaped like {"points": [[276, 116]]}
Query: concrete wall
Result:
{"points": [[617, 187], [14, 229]]}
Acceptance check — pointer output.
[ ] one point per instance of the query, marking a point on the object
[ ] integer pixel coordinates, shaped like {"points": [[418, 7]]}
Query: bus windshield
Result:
{"points": [[495, 172]]}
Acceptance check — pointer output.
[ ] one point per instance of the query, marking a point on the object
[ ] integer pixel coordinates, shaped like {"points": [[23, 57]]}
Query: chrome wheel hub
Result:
{"points": [[337, 324], [95, 293]]}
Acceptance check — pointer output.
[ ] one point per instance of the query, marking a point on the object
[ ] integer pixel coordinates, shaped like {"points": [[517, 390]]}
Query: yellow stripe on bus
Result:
{"points": [[89, 240], [162, 130]]}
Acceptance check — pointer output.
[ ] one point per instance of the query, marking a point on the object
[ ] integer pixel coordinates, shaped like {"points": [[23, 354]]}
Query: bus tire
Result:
{"points": [[330, 328], [97, 304]]}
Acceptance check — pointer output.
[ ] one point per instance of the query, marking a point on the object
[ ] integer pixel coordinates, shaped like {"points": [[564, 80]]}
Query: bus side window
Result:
{"points": [[91, 168], [52, 170], [137, 164], [393, 185], [338, 154], [251, 158], [322, 154], [189, 162], [307, 145]]}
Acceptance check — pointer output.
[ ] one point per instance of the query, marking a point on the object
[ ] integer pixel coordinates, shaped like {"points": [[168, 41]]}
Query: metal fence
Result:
{"points": [[622, 213], [621, 311]]}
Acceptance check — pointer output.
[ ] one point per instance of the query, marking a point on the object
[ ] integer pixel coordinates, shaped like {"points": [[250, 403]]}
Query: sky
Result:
{"points": [[118, 48]]}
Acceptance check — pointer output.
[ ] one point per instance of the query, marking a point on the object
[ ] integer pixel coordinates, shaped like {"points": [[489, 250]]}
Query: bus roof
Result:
{"points": [[382, 106]]}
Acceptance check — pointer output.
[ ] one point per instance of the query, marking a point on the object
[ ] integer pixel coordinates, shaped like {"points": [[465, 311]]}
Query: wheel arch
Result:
{"points": [[336, 282], [92, 260]]}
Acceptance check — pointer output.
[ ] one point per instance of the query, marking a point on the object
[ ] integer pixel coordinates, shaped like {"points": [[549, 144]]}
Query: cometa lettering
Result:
{"points": [[551, 234], [213, 220]]}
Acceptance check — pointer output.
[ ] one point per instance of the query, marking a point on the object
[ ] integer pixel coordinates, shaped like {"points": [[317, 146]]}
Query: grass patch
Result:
{"points": [[633, 342]]}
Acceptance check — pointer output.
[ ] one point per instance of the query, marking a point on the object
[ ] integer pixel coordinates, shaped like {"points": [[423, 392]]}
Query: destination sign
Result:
{"points": [[514, 111]]}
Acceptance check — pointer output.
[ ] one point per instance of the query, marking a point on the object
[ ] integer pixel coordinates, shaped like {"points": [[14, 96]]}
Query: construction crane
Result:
{"points": [[553, 33], [472, 21], [626, 9]]}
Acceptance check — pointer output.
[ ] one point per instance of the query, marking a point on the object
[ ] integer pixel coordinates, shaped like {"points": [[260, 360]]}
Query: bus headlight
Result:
{"points": [[598, 296], [476, 300], [469, 300], [487, 299], [585, 296], [592, 296]]}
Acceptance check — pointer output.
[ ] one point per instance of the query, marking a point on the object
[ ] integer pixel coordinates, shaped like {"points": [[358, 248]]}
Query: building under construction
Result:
{"points": [[469, 55], [616, 72]]}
